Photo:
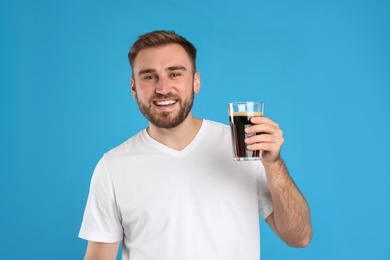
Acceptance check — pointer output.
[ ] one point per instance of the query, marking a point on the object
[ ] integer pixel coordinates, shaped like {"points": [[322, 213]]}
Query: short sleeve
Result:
{"points": [[264, 195], [101, 221]]}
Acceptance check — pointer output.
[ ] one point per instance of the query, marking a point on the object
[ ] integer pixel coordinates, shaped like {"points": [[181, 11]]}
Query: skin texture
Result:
{"points": [[291, 217], [168, 78], [101, 251], [164, 85]]}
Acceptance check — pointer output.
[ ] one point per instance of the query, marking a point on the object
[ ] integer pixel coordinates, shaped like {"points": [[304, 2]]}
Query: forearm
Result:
{"points": [[103, 251], [291, 216]]}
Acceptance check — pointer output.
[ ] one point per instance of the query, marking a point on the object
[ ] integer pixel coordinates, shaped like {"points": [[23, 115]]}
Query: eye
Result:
{"points": [[149, 77], [175, 74]]}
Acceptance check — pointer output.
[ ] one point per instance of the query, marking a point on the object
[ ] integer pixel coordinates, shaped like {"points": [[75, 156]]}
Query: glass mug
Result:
{"points": [[240, 114]]}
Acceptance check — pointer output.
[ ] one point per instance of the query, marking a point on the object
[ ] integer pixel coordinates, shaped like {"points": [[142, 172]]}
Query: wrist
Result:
{"points": [[276, 170], [277, 164]]}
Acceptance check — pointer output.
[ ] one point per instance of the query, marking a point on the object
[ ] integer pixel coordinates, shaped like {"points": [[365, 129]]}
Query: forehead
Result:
{"points": [[162, 56]]}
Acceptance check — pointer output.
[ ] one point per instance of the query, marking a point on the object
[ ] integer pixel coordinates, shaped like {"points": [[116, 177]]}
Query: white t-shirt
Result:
{"points": [[165, 204]]}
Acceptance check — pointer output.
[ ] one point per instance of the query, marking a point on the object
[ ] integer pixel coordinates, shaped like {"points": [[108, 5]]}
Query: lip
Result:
{"points": [[165, 104]]}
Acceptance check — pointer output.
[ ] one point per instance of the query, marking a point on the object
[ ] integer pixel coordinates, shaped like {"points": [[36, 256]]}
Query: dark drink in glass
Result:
{"points": [[239, 119]]}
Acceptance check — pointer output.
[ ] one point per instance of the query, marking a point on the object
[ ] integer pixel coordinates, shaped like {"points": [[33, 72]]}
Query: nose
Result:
{"points": [[163, 86]]}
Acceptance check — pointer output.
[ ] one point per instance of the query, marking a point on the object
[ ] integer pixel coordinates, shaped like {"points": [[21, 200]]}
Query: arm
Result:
{"points": [[291, 217], [101, 251]]}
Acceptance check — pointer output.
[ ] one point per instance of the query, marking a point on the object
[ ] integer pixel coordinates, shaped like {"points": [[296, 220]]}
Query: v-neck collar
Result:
{"points": [[169, 151]]}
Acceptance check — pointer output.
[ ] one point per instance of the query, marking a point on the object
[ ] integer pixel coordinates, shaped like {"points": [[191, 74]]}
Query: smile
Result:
{"points": [[165, 102]]}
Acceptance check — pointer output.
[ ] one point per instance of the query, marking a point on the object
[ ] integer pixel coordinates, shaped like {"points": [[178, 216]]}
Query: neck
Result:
{"points": [[179, 137]]}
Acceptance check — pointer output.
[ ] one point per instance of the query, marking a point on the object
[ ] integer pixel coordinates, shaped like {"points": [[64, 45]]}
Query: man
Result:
{"points": [[173, 190]]}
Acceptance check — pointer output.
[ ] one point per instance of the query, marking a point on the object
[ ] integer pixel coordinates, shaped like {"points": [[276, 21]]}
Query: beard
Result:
{"points": [[167, 120]]}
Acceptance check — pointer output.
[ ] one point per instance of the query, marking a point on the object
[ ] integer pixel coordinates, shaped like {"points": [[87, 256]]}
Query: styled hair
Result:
{"points": [[161, 38]]}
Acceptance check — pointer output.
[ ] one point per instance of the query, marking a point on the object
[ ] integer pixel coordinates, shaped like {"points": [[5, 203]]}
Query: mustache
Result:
{"points": [[162, 96]]}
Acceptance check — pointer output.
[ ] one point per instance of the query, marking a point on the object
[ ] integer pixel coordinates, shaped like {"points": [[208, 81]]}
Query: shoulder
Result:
{"points": [[127, 147], [213, 125], [215, 132]]}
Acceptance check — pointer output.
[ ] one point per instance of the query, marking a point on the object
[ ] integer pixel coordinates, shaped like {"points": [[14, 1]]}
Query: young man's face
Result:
{"points": [[164, 84]]}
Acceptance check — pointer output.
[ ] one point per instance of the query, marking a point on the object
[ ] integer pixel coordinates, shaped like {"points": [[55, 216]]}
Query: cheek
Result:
{"points": [[142, 92]]}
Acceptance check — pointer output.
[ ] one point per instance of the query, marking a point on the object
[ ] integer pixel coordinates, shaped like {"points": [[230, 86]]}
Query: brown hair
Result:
{"points": [[160, 38]]}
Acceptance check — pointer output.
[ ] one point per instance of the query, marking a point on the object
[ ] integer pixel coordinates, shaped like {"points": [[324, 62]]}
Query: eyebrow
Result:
{"points": [[145, 71], [171, 68], [176, 68]]}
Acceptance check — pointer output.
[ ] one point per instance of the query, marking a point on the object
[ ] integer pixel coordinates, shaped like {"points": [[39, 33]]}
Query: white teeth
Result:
{"points": [[165, 103]]}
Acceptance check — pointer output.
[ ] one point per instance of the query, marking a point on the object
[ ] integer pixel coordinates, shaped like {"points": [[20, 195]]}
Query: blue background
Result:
{"points": [[321, 67]]}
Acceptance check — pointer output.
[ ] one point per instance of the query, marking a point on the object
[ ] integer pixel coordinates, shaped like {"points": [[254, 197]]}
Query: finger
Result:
{"points": [[263, 120], [268, 147], [264, 138], [263, 128]]}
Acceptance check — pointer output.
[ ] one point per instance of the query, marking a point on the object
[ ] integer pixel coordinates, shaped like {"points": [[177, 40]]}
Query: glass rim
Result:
{"points": [[246, 102]]}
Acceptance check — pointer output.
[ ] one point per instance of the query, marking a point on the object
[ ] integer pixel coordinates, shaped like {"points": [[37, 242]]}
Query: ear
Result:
{"points": [[132, 88], [197, 82]]}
